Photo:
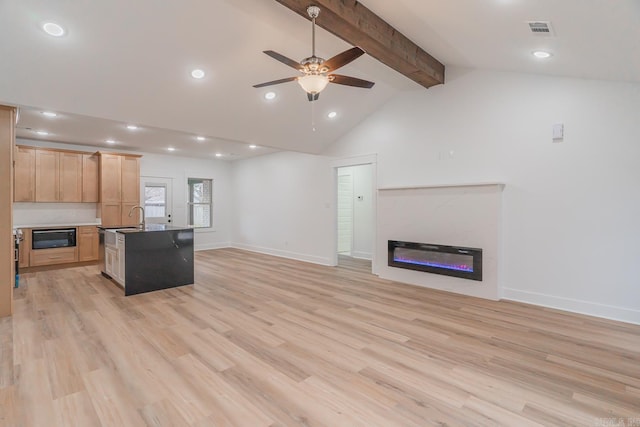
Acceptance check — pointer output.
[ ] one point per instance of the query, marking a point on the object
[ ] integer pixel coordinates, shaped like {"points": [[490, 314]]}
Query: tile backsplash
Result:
{"points": [[53, 213]]}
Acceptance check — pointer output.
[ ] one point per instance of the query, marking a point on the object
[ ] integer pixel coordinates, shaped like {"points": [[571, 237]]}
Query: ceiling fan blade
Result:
{"points": [[286, 61], [350, 81], [343, 58], [276, 82]]}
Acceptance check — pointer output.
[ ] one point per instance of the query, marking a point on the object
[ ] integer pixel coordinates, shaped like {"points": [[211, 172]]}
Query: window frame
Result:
{"points": [[191, 204]]}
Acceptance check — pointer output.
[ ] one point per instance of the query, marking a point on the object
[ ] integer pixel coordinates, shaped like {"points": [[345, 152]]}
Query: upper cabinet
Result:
{"points": [[119, 188], [130, 178], [25, 174], [90, 178], [51, 175], [110, 178], [58, 176]]}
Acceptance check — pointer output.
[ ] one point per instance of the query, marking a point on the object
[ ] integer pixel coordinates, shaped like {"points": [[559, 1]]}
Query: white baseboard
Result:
{"points": [[283, 254], [208, 246], [575, 306]]}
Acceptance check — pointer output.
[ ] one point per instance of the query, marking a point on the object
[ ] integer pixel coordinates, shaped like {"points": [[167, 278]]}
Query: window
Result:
{"points": [[155, 200], [200, 201]]}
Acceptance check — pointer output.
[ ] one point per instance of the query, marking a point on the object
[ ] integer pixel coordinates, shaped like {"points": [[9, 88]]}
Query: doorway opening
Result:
{"points": [[355, 216]]}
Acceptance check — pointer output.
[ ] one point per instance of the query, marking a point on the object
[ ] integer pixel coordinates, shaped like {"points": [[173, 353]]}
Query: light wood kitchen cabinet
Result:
{"points": [[119, 188], [87, 243], [118, 214], [110, 213], [110, 178], [7, 261], [90, 178], [53, 256], [52, 175], [134, 219], [47, 175], [130, 179], [70, 177], [24, 249], [24, 177], [58, 176]]}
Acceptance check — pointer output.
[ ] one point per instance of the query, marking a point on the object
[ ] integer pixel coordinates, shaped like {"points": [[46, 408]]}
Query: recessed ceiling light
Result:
{"points": [[132, 127], [171, 149], [332, 115], [49, 113], [197, 74], [218, 154], [53, 29], [41, 132], [253, 147], [200, 138], [541, 54], [270, 95], [110, 141]]}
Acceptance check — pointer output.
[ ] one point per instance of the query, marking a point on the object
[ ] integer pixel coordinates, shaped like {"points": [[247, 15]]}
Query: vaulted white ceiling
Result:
{"points": [[130, 62]]}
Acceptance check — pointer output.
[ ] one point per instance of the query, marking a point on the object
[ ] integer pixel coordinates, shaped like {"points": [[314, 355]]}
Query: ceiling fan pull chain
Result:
{"points": [[313, 122]]}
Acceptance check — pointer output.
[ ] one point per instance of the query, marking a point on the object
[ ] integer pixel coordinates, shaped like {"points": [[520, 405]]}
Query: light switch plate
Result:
{"points": [[558, 132]]}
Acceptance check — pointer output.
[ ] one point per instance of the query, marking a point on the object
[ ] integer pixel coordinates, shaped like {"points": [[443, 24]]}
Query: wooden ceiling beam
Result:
{"points": [[358, 26]]}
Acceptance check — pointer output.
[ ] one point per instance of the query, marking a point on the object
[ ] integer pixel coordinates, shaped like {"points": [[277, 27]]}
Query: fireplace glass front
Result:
{"points": [[439, 259]]}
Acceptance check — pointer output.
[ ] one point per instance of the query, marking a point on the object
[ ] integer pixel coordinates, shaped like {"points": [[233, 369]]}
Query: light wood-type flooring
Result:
{"points": [[265, 341]]}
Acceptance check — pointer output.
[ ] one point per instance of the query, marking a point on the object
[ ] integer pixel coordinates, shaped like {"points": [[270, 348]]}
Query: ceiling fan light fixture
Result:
{"points": [[313, 83]]}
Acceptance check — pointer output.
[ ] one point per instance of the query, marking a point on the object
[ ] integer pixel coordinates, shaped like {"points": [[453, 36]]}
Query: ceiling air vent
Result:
{"points": [[540, 28]]}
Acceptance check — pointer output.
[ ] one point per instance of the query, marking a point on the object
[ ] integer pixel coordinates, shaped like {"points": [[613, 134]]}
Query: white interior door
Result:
{"points": [[155, 193], [345, 214]]}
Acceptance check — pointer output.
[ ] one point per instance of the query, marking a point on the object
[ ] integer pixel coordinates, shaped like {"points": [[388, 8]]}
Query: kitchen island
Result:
{"points": [[149, 258]]}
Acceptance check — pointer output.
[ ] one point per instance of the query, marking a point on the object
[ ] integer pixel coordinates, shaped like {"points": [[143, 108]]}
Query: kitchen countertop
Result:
{"points": [[74, 224], [147, 228]]}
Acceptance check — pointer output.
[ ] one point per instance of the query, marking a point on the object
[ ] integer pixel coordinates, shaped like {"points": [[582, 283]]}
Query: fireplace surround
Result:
{"points": [[453, 261]]}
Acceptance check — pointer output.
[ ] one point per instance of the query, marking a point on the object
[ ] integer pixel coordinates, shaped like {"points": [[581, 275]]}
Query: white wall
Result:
{"points": [[363, 209], [570, 209], [179, 169], [284, 205], [170, 166], [467, 216]]}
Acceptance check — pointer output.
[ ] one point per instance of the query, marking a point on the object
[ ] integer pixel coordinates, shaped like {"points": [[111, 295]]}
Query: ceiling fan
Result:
{"points": [[315, 70]]}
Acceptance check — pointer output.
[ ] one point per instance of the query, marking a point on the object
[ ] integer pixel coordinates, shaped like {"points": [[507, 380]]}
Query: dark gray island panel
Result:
{"points": [[157, 260]]}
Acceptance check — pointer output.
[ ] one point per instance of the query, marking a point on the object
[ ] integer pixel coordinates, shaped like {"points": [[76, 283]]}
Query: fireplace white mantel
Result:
{"points": [[414, 187], [456, 214]]}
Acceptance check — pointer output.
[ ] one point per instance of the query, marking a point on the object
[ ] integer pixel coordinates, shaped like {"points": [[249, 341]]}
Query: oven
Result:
{"points": [[53, 238]]}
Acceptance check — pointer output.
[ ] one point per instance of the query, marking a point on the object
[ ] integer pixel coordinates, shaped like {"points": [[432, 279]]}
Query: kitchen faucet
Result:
{"points": [[142, 209]]}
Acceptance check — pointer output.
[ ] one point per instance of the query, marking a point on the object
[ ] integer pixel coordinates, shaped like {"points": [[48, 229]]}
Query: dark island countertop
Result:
{"points": [[137, 229]]}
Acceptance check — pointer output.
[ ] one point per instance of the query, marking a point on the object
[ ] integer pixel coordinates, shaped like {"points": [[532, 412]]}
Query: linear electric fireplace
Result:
{"points": [[439, 259]]}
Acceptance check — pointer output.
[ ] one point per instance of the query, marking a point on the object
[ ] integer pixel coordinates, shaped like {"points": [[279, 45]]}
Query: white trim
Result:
{"points": [[468, 184], [215, 245], [371, 159], [354, 161], [621, 314], [283, 254]]}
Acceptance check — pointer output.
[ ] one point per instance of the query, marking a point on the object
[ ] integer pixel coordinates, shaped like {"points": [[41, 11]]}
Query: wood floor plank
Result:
{"points": [[266, 341]]}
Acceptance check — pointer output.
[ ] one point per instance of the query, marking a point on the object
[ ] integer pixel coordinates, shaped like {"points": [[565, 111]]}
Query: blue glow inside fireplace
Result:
{"points": [[453, 261]]}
